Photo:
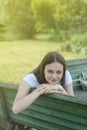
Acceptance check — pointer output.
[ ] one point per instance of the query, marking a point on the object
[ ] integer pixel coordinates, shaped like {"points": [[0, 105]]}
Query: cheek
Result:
{"points": [[61, 75], [47, 75]]}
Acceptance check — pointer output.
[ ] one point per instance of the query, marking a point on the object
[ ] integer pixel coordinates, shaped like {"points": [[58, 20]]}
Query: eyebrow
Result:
{"points": [[57, 70]]}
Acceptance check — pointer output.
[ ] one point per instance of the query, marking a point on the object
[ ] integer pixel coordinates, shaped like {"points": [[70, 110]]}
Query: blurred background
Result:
{"points": [[29, 29]]}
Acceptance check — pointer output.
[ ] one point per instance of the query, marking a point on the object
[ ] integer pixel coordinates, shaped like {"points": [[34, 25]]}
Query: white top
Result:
{"points": [[32, 80]]}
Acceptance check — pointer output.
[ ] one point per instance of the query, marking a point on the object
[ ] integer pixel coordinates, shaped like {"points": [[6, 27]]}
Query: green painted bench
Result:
{"points": [[49, 112]]}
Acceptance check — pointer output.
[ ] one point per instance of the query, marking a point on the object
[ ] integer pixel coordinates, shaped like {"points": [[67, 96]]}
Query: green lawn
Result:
{"points": [[19, 57]]}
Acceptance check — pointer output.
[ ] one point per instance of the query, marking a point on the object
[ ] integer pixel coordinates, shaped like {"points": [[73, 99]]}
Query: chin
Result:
{"points": [[53, 83]]}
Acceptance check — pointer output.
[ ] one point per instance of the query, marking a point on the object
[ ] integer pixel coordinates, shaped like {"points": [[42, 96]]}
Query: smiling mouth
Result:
{"points": [[53, 81]]}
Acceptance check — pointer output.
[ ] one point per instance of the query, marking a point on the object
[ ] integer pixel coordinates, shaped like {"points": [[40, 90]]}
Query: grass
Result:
{"points": [[19, 57]]}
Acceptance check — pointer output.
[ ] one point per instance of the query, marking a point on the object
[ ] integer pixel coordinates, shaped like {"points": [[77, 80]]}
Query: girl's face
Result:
{"points": [[53, 73]]}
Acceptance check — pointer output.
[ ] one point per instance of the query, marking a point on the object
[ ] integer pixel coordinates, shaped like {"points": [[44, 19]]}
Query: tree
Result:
{"points": [[43, 13], [19, 20], [70, 15], [60, 15]]}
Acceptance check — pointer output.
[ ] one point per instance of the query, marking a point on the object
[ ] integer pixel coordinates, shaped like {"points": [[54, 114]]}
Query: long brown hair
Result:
{"points": [[49, 58]]}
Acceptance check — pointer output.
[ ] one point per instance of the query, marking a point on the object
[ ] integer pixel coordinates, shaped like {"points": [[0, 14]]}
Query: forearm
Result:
{"points": [[25, 102], [64, 91], [60, 89]]}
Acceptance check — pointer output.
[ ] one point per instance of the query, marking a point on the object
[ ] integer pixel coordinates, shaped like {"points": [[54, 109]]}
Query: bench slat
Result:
{"points": [[76, 62]]}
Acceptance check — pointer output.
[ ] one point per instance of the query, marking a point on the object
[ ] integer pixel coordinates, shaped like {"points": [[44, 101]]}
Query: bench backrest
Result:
{"points": [[76, 67], [1, 110], [48, 112]]}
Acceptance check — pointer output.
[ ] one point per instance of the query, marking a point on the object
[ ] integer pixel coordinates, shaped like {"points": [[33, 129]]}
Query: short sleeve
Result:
{"points": [[31, 80], [68, 78]]}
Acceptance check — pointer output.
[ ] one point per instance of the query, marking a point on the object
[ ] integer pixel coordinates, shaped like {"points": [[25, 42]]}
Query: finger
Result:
{"points": [[42, 89], [52, 91]]}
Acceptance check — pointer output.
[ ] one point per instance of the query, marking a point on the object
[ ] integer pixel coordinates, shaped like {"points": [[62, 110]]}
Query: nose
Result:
{"points": [[54, 76]]}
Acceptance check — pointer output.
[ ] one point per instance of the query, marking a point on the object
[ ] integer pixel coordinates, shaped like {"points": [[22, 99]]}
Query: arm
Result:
{"points": [[69, 89], [24, 99], [68, 84], [59, 89]]}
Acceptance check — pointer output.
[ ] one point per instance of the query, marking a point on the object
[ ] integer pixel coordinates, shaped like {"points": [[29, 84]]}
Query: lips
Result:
{"points": [[54, 81]]}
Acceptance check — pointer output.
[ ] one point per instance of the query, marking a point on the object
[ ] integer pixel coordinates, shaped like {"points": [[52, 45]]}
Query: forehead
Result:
{"points": [[55, 65]]}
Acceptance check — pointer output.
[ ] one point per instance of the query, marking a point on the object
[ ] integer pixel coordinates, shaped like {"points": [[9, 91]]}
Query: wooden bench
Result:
{"points": [[50, 112]]}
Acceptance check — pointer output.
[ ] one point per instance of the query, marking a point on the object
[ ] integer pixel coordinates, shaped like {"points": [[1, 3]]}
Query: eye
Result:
{"points": [[50, 71], [59, 72]]}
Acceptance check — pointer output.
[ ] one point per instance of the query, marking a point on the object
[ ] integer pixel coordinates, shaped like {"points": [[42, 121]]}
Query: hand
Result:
{"points": [[42, 89], [54, 88], [49, 88]]}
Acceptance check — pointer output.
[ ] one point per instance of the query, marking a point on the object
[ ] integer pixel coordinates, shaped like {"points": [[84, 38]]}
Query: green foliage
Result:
{"points": [[19, 20], [43, 13], [2, 15], [61, 18], [69, 15], [77, 44], [2, 31], [2, 28]]}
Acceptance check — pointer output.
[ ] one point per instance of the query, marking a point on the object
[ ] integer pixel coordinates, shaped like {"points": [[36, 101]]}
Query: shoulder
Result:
{"points": [[30, 76], [68, 78], [67, 73], [31, 80]]}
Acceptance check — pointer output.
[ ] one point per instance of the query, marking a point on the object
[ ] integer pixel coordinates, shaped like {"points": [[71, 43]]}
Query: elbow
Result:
{"points": [[14, 110], [72, 95]]}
